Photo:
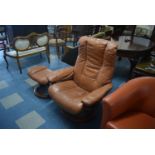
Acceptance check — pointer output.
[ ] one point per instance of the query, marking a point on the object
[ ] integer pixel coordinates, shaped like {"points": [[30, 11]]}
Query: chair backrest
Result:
{"points": [[21, 44], [33, 40], [95, 63], [42, 40], [63, 32]]}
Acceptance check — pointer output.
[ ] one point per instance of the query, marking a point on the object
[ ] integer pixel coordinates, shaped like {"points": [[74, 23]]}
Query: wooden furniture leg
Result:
{"points": [[19, 66]]}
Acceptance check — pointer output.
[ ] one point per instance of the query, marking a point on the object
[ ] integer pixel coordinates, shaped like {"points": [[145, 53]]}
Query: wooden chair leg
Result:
{"points": [[41, 55], [58, 51], [19, 66], [7, 64], [63, 50], [119, 58], [48, 57]]}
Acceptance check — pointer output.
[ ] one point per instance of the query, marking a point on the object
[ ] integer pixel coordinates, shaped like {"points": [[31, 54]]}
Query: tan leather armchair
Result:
{"points": [[79, 88], [132, 106]]}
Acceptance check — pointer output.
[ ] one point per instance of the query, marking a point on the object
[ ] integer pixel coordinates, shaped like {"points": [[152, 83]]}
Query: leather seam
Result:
{"points": [[86, 60], [102, 63]]}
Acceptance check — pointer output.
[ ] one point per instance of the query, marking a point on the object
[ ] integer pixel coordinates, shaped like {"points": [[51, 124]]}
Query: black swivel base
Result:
{"points": [[41, 91], [82, 117]]}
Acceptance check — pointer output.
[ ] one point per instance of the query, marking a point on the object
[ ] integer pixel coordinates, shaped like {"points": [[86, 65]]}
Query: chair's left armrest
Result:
{"points": [[96, 95], [61, 75]]}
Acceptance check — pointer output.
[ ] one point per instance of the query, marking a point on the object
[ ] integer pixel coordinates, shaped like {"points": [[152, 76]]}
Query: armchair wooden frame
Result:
{"points": [[33, 45]]}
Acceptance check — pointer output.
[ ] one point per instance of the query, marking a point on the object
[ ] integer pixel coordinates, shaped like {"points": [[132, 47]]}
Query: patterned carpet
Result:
{"points": [[19, 108]]}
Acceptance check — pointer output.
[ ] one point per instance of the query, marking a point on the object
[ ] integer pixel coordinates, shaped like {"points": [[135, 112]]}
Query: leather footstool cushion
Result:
{"points": [[40, 74]]}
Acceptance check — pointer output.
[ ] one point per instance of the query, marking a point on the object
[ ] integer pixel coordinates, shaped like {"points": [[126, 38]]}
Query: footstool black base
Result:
{"points": [[41, 91]]}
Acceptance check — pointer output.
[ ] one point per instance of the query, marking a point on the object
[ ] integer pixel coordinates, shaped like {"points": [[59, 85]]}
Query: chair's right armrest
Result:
{"points": [[126, 98]]}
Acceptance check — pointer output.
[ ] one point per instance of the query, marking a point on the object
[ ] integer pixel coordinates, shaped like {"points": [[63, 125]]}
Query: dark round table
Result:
{"points": [[134, 48]]}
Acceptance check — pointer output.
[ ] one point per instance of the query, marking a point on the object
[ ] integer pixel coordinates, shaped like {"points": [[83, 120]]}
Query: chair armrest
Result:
{"points": [[96, 95], [126, 98], [61, 75]]}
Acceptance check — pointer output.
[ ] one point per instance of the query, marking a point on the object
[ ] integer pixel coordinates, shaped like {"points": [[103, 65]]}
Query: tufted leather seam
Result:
{"points": [[102, 63], [86, 64], [85, 58]]}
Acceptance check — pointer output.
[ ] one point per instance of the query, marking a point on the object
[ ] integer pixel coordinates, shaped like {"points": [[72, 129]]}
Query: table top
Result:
{"points": [[132, 46]]}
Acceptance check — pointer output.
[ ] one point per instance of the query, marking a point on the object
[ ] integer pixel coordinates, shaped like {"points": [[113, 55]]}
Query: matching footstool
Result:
{"points": [[40, 74]]}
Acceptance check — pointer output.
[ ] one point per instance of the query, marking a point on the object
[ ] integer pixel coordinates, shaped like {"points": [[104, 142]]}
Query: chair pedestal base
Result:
{"points": [[80, 118], [41, 91]]}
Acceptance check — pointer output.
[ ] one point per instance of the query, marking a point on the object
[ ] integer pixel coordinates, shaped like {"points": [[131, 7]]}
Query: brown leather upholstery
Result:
{"points": [[68, 95], [40, 74], [131, 106], [89, 80]]}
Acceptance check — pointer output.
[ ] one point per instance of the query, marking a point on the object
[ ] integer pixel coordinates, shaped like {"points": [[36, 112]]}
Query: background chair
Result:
{"points": [[2, 47], [78, 89], [3, 38], [145, 31], [130, 106], [105, 32], [3, 34], [28, 46], [146, 67], [61, 36], [69, 35]]}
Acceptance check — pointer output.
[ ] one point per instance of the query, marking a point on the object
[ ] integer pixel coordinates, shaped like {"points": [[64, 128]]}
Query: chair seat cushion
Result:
{"points": [[13, 53], [68, 95], [70, 39], [133, 121], [56, 41], [40, 74]]}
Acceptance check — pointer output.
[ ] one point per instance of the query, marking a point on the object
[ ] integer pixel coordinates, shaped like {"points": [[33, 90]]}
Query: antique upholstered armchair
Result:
{"points": [[78, 89], [132, 106], [28, 46]]}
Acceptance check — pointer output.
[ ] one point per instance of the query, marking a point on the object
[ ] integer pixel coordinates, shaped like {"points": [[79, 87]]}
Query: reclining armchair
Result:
{"points": [[132, 106], [78, 89]]}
